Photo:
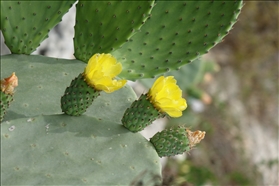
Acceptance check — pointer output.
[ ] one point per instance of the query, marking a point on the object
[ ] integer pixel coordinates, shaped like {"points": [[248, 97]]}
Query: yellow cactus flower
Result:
{"points": [[101, 71], [166, 96]]}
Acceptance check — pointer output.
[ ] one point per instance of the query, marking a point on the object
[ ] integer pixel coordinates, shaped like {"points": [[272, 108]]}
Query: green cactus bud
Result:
{"points": [[78, 97], [173, 141], [141, 114], [6, 93]]}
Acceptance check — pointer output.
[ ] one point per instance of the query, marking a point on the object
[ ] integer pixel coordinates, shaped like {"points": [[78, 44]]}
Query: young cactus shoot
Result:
{"points": [[98, 76], [164, 97], [175, 141]]}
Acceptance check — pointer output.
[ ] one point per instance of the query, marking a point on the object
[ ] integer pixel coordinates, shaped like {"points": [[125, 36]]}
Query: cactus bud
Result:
{"points": [[140, 114], [78, 97], [173, 141]]}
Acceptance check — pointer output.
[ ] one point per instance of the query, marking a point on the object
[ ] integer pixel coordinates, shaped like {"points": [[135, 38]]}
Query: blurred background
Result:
{"points": [[232, 94]]}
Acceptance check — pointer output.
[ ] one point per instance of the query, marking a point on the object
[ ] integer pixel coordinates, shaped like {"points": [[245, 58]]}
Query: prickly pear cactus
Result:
{"points": [[91, 140], [40, 145], [65, 150]]}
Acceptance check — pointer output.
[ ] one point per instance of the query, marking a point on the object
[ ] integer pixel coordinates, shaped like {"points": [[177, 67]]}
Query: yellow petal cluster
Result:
{"points": [[166, 96], [101, 71]]}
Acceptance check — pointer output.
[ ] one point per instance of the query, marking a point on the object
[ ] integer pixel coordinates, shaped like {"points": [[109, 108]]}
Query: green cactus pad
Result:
{"points": [[176, 34], [64, 150], [25, 24], [43, 81], [5, 100], [78, 97], [171, 142], [140, 114], [102, 26]]}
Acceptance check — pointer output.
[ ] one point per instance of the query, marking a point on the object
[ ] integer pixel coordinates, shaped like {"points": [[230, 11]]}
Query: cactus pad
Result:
{"points": [[140, 114], [64, 150], [78, 97], [176, 34], [25, 24], [102, 26]]}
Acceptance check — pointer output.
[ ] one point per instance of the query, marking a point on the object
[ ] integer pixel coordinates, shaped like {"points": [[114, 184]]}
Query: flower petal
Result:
{"points": [[108, 85], [167, 96], [157, 86]]}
